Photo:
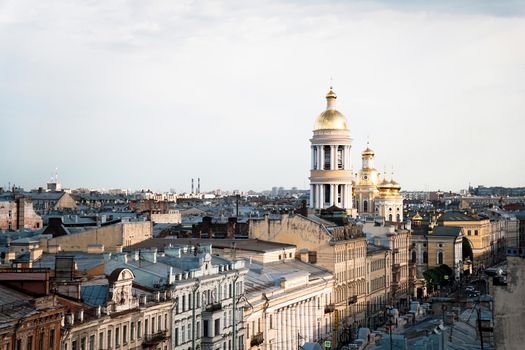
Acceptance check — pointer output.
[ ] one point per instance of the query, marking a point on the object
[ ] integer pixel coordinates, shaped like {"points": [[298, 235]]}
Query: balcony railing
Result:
{"points": [[329, 308], [257, 339], [396, 266], [214, 307], [154, 339], [352, 300]]}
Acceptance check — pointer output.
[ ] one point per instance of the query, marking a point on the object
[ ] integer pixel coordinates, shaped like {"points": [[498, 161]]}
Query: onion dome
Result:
{"points": [[417, 217], [331, 119], [368, 152]]}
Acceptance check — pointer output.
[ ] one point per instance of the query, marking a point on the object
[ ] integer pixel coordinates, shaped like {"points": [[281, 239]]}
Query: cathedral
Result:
{"points": [[332, 180]]}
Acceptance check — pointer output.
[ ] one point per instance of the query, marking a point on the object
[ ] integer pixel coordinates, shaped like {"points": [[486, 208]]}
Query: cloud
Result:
{"points": [[149, 94]]}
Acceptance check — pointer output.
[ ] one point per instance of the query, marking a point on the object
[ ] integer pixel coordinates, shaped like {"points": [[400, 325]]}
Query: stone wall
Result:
{"points": [[112, 237]]}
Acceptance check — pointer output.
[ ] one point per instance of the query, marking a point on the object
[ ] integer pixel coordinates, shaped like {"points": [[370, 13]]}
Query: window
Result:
{"points": [[132, 331], [153, 325], [166, 321], [91, 342], [339, 193], [159, 323], [271, 321], [365, 206], [83, 343], [198, 330], [51, 339], [217, 326], [425, 257], [340, 157], [315, 157], [74, 345], [176, 334], [125, 334], [183, 303], [117, 337], [414, 255], [101, 340], [146, 330], [440, 258], [206, 328], [110, 341], [189, 332], [468, 232], [30, 342], [139, 329], [182, 334], [326, 193], [41, 341], [327, 151], [390, 216], [475, 232]]}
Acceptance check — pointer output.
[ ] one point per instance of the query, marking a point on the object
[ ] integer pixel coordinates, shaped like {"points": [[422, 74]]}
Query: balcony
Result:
{"points": [[329, 308], [352, 300], [395, 251], [396, 267], [214, 307], [257, 339], [152, 340]]}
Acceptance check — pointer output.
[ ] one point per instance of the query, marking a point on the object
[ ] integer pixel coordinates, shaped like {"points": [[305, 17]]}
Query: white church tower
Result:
{"points": [[331, 169]]}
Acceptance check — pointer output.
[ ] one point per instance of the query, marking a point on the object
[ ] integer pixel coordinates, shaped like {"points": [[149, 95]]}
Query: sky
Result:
{"points": [[149, 94]]}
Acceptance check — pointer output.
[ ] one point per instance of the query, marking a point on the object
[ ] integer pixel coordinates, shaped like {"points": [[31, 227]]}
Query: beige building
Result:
{"points": [[477, 230], [110, 238], [114, 315], [339, 249], [378, 283], [18, 214], [396, 238]]}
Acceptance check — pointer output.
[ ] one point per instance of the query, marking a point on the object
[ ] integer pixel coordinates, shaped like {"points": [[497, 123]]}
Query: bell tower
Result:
{"points": [[331, 169]]}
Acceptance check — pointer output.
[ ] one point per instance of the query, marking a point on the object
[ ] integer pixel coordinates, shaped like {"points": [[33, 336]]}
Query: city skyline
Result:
{"points": [[150, 96]]}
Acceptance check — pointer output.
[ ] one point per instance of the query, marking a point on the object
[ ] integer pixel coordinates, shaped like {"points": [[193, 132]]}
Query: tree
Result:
{"points": [[441, 276]]}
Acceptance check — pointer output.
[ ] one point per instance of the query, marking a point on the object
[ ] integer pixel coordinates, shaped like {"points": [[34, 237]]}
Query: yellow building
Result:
{"points": [[339, 249], [476, 230]]}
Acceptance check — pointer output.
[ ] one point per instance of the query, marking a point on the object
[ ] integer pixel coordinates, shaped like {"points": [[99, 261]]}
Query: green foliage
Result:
{"points": [[438, 276]]}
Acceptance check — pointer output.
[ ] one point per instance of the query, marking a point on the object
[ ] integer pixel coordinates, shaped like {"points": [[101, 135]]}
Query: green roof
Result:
{"points": [[447, 231], [456, 216]]}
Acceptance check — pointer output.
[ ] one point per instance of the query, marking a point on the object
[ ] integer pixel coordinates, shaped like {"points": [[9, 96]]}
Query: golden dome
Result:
{"points": [[331, 119], [395, 185], [417, 217], [368, 152]]}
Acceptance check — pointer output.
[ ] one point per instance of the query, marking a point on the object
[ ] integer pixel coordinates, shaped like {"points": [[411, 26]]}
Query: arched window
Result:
{"points": [[414, 255], [440, 258], [425, 257], [365, 206], [398, 218], [389, 217], [340, 157], [327, 150]]}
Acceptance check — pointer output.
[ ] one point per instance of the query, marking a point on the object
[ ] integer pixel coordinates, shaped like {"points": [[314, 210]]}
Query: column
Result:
{"points": [[321, 196], [285, 324], [278, 325], [321, 156]]}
